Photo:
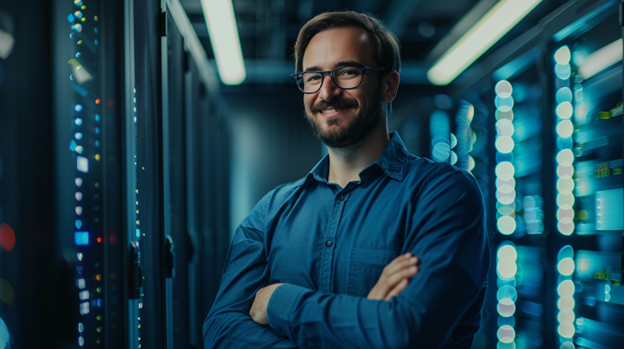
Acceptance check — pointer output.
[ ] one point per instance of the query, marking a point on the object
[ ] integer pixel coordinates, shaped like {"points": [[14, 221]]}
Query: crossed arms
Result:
{"points": [[451, 244]]}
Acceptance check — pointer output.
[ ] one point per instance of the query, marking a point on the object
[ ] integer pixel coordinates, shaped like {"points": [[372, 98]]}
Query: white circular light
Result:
{"points": [[505, 189], [566, 317], [564, 110], [506, 225], [565, 303], [565, 185], [566, 288], [504, 144], [565, 128], [471, 163], [506, 310], [566, 266], [565, 228], [565, 157], [567, 345], [562, 56], [565, 213], [503, 89], [506, 334], [506, 269], [507, 252], [504, 104], [566, 330], [565, 171], [504, 127], [504, 115], [565, 201], [505, 170]]}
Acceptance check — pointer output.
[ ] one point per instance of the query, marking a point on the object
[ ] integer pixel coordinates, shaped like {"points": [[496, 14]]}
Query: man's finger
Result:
{"points": [[396, 278], [399, 264], [397, 289]]}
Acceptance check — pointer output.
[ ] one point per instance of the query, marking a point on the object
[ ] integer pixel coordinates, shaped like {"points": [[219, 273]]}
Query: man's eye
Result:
{"points": [[313, 78], [349, 73]]}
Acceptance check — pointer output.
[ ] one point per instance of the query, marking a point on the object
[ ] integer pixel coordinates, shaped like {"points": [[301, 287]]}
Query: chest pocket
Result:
{"points": [[365, 268]]}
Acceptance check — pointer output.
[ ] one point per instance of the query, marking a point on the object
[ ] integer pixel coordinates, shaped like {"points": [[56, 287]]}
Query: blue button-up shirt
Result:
{"points": [[329, 245]]}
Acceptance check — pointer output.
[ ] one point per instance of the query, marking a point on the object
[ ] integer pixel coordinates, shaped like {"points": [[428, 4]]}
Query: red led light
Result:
{"points": [[99, 240], [97, 101], [7, 237]]}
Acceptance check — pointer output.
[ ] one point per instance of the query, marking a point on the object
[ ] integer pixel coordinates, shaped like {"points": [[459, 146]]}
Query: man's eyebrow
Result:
{"points": [[339, 64]]}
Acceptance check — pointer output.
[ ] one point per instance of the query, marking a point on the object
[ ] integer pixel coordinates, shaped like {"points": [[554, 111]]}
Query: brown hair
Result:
{"points": [[386, 44]]}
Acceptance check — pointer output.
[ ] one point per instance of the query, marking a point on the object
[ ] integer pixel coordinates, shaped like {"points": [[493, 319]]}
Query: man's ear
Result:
{"points": [[391, 86]]}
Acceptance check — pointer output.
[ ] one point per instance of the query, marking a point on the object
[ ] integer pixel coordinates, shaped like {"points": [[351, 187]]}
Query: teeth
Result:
{"points": [[328, 111]]}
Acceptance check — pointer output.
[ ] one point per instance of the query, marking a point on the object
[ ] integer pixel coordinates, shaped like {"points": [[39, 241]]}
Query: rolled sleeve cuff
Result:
{"points": [[280, 307]]}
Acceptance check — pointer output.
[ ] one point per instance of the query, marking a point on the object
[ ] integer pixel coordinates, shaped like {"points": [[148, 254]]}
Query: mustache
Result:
{"points": [[338, 104]]}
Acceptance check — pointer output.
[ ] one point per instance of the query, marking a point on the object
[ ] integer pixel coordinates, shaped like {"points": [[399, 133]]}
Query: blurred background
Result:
{"points": [[135, 136]]}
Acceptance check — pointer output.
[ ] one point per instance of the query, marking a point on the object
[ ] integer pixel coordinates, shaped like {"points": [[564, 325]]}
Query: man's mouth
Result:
{"points": [[327, 111]]}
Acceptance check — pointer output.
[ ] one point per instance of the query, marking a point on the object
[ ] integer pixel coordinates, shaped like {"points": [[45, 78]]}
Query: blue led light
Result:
{"points": [[563, 71], [70, 18], [97, 130], [97, 144], [81, 238], [97, 117], [99, 302], [78, 121], [78, 107], [138, 233], [95, 42], [78, 135], [72, 145], [78, 224], [78, 54], [95, 30], [564, 94]]}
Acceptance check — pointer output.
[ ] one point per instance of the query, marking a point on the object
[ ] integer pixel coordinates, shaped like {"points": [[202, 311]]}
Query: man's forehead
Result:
{"points": [[332, 46]]}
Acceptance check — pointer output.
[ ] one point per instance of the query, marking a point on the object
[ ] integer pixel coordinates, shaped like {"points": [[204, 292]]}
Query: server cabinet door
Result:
{"points": [[144, 175]]}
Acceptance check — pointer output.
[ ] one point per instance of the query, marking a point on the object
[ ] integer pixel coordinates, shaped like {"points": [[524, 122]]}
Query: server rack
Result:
{"points": [[566, 293], [88, 95], [586, 95]]}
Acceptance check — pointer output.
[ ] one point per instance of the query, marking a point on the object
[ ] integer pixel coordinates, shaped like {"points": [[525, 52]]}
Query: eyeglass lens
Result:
{"points": [[344, 77]]}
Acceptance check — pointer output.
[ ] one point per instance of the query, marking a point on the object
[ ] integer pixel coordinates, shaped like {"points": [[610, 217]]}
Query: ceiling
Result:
{"points": [[425, 28]]}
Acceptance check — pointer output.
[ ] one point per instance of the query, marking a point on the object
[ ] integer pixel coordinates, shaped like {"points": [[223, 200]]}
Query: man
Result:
{"points": [[327, 261]]}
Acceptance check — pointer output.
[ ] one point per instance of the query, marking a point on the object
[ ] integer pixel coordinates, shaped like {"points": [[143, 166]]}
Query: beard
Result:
{"points": [[356, 129]]}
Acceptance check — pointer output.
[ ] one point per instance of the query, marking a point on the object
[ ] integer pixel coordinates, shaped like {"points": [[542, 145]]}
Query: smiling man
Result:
{"points": [[375, 247]]}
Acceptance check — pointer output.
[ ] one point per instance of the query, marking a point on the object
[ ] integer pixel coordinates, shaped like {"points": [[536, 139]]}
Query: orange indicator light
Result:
{"points": [[97, 101], [99, 240]]}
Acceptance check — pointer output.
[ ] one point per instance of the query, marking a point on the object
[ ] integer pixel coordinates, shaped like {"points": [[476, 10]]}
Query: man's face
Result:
{"points": [[349, 115]]}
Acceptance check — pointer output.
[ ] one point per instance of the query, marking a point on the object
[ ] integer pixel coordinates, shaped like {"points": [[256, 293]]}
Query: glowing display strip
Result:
{"points": [[602, 59], [485, 33], [219, 15], [81, 238]]}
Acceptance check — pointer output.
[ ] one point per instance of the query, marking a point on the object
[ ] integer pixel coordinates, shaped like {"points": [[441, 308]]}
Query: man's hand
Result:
{"points": [[395, 277], [258, 311]]}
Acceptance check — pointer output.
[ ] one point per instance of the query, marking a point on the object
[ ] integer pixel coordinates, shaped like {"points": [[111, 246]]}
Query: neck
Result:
{"points": [[345, 164]]}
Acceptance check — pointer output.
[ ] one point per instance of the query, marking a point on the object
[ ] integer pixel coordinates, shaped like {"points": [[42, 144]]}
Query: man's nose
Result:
{"points": [[329, 90]]}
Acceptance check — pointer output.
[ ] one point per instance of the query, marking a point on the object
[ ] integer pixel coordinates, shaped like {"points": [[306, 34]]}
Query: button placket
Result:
{"points": [[330, 238]]}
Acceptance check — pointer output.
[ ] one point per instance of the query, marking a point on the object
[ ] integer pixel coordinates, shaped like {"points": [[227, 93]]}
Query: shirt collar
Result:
{"points": [[391, 162]]}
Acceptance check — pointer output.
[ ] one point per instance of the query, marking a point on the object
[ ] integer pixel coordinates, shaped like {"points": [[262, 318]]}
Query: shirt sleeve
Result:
{"points": [[448, 233], [229, 324]]}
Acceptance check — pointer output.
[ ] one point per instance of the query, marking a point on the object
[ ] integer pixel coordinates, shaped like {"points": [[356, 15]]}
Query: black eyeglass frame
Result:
{"points": [[364, 68]]}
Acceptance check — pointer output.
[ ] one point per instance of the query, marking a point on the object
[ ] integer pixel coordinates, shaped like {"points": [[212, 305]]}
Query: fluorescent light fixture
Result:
{"points": [[219, 15], [485, 33], [601, 59]]}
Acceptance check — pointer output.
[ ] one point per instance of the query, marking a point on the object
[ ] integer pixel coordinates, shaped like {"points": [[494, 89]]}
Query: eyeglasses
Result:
{"points": [[345, 77]]}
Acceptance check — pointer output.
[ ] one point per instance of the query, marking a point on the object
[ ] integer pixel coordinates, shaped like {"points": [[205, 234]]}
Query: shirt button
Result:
{"points": [[329, 243], [340, 197]]}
